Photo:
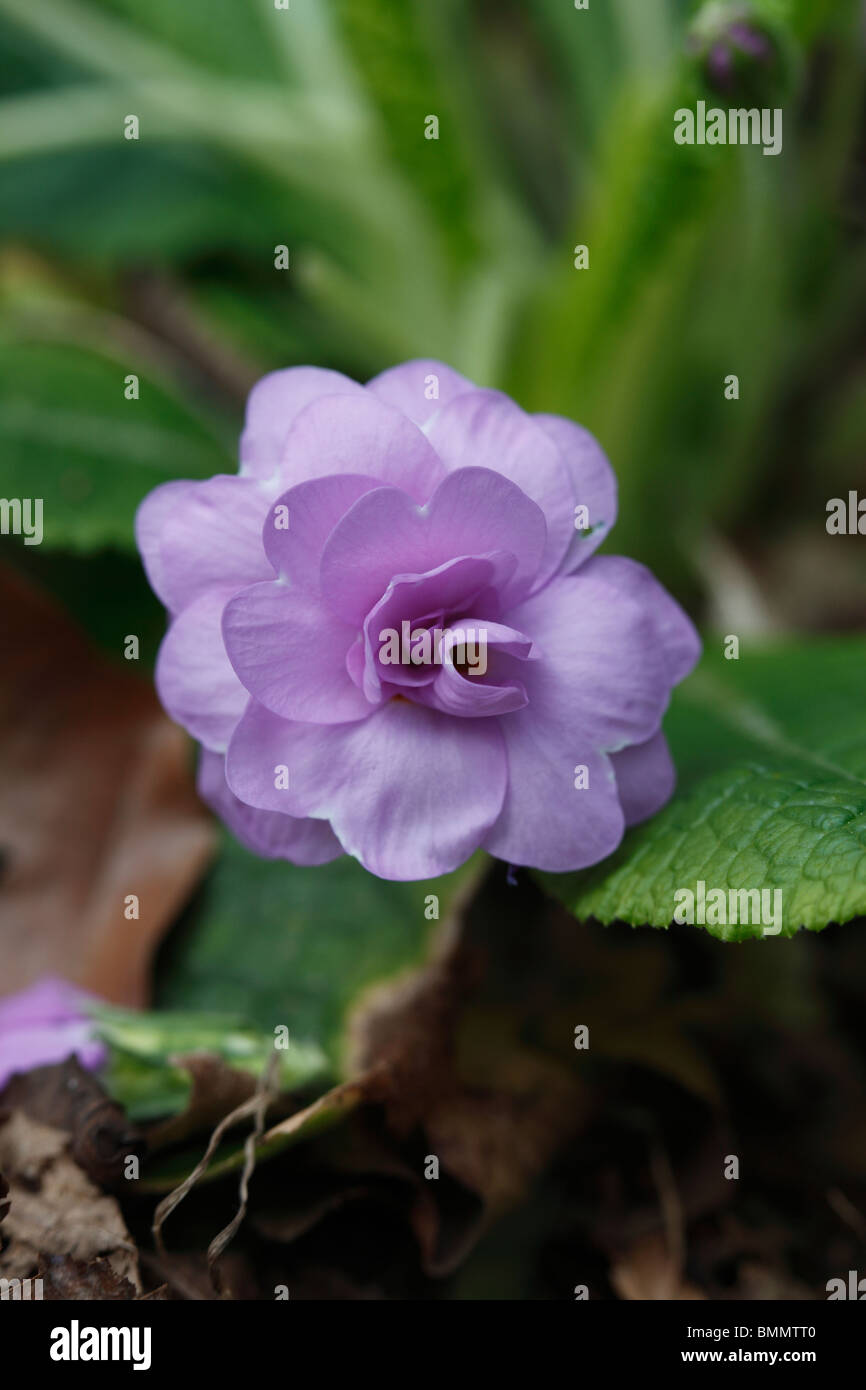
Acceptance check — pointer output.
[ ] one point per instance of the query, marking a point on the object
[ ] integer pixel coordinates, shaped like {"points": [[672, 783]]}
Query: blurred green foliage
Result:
{"points": [[303, 944], [306, 127]]}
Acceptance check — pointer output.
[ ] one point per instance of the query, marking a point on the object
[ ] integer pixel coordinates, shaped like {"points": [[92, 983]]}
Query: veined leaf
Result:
{"points": [[770, 751]]}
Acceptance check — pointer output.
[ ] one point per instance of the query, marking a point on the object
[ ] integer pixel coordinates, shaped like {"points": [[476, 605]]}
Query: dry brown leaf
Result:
{"points": [[98, 803], [359, 1163], [54, 1208], [300, 1214], [65, 1278], [648, 1272], [216, 1090], [759, 1281], [185, 1276], [493, 1111], [70, 1098]]}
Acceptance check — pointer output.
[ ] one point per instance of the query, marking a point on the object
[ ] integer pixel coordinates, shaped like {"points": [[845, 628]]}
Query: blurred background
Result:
{"points": [[306, 128]]}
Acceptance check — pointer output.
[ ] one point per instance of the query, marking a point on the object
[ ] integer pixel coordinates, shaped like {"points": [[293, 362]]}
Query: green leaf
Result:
{"points": [[228, 36], [391, 46], [167, 202], [770, 752], [146, 1090], [68, 435], [297, 946], [142, 1073], [106, 594]]}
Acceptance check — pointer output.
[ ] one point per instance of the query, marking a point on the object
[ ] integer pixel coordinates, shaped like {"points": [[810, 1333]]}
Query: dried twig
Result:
{"points": [[256, 1105]]}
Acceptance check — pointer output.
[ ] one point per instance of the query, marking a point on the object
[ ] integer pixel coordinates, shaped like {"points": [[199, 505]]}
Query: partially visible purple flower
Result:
{"points": [[417, 500], [46, 1023], [751, 40], [728, 37]]}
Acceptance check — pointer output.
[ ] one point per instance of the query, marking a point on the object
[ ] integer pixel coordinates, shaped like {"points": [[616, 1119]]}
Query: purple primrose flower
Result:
{"points": [[44, 1024], [392, 638]]}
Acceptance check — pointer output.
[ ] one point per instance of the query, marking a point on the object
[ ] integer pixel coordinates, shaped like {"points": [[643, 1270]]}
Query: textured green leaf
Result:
{"points": [[771, 759], [68, 435], [296, 946]]}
